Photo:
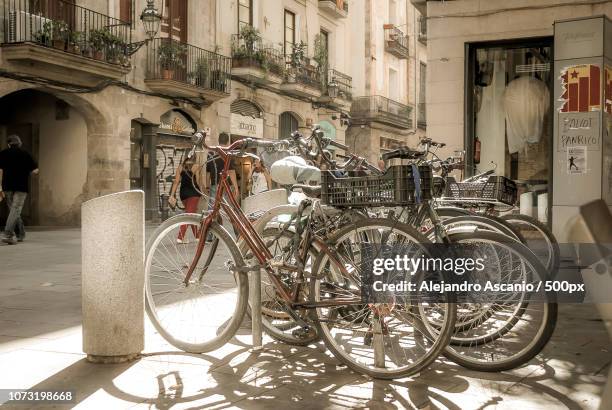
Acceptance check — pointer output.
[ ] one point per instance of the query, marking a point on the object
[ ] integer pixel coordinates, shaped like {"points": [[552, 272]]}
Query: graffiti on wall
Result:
{"points": [[168, 158]]}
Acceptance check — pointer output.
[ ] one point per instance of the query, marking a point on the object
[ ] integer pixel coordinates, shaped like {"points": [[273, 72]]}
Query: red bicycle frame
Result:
{"points": [[252, 238]]}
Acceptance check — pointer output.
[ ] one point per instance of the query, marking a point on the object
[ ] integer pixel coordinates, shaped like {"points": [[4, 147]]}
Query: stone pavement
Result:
{"points": [[40, 348]]}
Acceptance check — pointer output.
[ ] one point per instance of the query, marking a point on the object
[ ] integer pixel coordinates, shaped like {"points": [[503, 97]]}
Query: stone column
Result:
{"points": [[113, 277]]}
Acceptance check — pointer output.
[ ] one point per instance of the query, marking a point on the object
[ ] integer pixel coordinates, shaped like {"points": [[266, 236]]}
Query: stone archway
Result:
{"points": [[76, 146]]}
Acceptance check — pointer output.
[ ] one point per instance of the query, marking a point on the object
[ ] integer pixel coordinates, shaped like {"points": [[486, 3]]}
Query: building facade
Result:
{"points": [[102, 115], [525, 87], [389, 76]]}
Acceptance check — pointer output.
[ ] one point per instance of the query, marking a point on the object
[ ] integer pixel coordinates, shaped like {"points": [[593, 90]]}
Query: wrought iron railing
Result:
{"points": [[396, 41], [343, 83], [421, 116], [169, 59], [304, 73], [345, 5], [67, 27], [257, 54], [381, 109]]}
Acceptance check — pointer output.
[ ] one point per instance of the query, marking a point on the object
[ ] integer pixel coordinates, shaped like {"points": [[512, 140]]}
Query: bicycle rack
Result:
{"points": [[255, 296]]}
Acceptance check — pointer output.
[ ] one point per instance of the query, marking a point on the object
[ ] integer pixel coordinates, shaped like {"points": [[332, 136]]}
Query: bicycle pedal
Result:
{"points": [[304, 332]]}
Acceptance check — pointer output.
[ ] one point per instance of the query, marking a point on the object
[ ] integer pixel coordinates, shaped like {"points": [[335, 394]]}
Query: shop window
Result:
{"points": [[509, 110]]}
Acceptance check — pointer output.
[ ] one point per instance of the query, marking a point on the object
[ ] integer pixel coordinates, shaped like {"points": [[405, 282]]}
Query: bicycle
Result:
{"points": [[177, 281]]}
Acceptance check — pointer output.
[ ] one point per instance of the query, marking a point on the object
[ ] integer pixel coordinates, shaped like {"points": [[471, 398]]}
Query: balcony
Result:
{"points": [[396, 42], [422, 25], [380, 109], [421, 117], [303, 80], [338, 89], [179, 69], [335, 8], [257, 63], [65, 42]]}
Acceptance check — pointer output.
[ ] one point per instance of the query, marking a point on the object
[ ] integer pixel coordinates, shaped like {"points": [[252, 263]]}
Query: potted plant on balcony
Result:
{"points": [[321, 58], [170, 55], [60, 36], [75, 39], [98, 38], [115, 48], [199, 76], [44, 35], [297, 60]]}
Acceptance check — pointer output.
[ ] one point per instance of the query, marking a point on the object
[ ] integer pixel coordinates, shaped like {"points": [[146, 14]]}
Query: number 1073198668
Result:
{"points": [[36, 396]]}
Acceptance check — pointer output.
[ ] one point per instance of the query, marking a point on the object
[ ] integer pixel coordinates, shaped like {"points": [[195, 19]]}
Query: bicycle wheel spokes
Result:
{"points": [[514, 326], [384, 340], [198, 315]]}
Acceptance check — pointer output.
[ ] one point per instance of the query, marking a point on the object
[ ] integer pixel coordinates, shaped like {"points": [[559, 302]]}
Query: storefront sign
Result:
{"points": [[176, 123], [579, 129], [246, 126]]}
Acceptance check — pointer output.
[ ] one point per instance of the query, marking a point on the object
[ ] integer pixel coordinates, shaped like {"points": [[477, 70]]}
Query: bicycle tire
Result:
{"points": [[230, 328], [553, 246], [441, 339], [537, 343]]}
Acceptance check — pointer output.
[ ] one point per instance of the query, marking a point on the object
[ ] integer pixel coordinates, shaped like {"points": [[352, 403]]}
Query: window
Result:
{"points": [[175, 16], [126, 10], [509, 123], [393, 12], [245, 13], [287, 124], [421, 120], [394, 87], [325, 39], [289, 31]]}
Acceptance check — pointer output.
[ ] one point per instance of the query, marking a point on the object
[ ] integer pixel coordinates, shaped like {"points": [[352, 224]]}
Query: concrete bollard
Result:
{"points": [[113, 277]]}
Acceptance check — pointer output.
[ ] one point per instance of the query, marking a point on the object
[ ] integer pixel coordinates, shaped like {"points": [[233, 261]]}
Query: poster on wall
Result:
{"points": [[576, 160], [580, 109]]}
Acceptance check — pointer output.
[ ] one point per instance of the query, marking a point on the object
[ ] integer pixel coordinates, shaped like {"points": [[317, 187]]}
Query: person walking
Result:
{"points": [[187, 175], [259, 180], [16, 165]]}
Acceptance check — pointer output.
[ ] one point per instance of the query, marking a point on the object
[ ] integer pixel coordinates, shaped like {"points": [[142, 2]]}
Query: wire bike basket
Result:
{"points": [[396, 187], [496, 188]]}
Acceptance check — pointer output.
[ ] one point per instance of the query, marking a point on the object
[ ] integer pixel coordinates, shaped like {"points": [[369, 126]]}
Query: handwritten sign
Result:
{"points": [[579, 129]]}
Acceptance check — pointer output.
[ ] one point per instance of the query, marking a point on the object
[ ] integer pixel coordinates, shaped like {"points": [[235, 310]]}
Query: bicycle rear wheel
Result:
{"points": [[383, 340], [206, 313], [508, 333], [539, 239]]}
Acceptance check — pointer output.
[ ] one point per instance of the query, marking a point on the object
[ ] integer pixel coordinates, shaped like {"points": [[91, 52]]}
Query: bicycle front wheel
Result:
{"points": [[205, 313], [383, 340]]}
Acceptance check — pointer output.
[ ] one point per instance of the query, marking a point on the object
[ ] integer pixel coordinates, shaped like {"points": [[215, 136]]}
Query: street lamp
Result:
{"points": [[151, 20], [332, 89]]}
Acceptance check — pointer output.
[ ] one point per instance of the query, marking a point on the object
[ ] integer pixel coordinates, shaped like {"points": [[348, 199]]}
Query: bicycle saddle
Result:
{"points": [[403, 153], [312, 191]]}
